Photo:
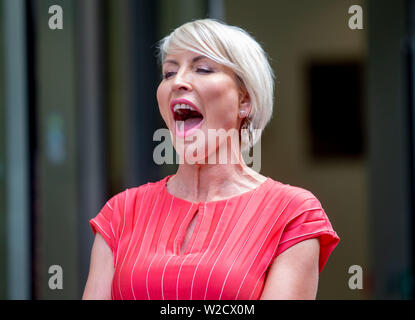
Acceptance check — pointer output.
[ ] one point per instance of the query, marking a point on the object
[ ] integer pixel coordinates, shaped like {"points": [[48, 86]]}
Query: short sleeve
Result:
{"points": [[312, 223], [104, 223]]}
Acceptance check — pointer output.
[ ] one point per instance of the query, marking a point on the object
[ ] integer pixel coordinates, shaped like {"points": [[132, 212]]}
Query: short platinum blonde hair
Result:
{"points": [[237, 49]]}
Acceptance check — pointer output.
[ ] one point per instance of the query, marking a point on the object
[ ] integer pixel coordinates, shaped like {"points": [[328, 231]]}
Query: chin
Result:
{"points": [[194, 154]]}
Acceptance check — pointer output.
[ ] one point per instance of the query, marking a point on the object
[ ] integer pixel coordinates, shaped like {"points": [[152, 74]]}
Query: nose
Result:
{"points": [[181, 82]]}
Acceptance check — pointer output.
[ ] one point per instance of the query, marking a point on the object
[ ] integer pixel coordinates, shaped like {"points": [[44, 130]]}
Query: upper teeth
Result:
{"points": [[183, 106]]}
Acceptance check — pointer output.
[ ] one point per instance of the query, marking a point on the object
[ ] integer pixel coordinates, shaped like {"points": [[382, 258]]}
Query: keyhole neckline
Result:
{"points": [[204, 203]]}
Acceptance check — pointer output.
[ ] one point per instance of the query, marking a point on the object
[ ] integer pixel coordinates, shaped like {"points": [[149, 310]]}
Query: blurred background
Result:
{"points": [[78, 112]]}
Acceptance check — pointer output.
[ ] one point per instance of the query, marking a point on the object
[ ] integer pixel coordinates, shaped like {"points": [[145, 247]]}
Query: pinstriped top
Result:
{"points": [[231, 247]]}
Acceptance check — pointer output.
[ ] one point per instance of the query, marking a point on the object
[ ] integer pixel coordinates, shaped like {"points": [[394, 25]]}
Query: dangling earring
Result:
{"points": [[248, 126]]}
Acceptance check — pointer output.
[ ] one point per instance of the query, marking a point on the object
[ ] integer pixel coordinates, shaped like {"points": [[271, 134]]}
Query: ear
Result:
{"points": [[244, 102]]}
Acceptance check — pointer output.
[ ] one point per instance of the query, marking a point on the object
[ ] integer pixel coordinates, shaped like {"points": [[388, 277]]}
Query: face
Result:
{"points": [[198, 95]]}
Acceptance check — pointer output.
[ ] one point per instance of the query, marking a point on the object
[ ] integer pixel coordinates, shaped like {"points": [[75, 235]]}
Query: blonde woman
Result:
{"points": [[212, 230]]}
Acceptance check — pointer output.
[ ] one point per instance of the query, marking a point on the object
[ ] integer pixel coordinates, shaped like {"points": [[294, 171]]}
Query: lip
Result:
{"points": [[183, 101], [192, 130]]}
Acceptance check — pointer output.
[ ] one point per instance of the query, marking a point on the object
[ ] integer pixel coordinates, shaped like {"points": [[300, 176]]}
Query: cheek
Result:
{"points": [[223, 102], [162, 101]]}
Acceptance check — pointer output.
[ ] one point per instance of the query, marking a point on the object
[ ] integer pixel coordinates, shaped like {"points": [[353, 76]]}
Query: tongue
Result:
{"points": [[191, 122]]}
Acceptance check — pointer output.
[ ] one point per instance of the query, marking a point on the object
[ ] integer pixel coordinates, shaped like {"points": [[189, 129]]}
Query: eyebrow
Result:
{"points": [[195, 59]]}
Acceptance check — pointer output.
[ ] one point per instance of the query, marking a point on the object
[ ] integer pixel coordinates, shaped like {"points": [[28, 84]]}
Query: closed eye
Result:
{"points": [[167, 75], [204, 70], [200, 70]]}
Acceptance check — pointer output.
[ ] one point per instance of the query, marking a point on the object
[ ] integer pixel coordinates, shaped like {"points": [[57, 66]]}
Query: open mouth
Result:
{"points": [[187, 119]]}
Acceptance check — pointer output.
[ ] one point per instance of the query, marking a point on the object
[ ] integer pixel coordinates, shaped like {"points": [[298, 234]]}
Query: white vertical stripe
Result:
{"points": [[162, 277], [181, 265], [112, 229], [181, 225], [207, 249], [253, 260], [141, 247], [236, 223], [110, 206], [122, 231], [240, 249], [132, 237], [256, 284], [213, 252], [237, 255], [102, 230], [194, 241], [260, 248], [158, 241], [178, 277], [194, 235]]}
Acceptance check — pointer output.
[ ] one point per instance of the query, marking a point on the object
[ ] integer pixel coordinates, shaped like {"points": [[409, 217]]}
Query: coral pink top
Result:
{"points": [[233, 244]]}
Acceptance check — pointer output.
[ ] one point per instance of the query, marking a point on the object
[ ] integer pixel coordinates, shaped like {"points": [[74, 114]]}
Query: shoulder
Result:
{"points": [[294, 196], [301, 217], [288, 202], [129, 196]]}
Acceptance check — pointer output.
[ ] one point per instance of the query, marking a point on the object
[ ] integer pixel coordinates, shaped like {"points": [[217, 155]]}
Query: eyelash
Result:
{"points": [[166, 75]]}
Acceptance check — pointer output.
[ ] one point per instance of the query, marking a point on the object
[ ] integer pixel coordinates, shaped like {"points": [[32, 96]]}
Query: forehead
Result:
{"points": [[178, 56]]}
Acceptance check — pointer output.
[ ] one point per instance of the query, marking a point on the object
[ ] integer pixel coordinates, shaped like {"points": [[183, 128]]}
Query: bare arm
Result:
{"points": [[101, 271], [294, 273]]}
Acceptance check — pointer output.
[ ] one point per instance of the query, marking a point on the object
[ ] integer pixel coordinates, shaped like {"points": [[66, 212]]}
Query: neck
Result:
{"points": [[211, 182]]}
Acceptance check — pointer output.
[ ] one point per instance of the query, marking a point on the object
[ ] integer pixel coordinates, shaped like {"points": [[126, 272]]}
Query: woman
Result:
{"points": [[214, 230]]}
